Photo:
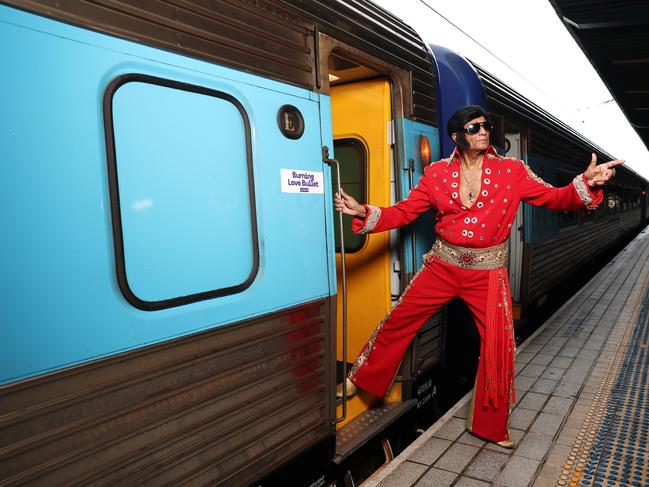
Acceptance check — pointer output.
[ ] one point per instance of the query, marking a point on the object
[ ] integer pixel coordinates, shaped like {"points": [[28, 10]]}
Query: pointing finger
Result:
{"points": [[617, 162]]}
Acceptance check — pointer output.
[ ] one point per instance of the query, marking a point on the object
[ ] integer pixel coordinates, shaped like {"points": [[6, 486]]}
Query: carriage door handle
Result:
{"points": [[411, 177], [334, 162]]}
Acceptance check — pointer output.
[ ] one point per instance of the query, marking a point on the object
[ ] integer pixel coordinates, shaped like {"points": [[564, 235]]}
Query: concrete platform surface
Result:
{"points": [[582, 412]]}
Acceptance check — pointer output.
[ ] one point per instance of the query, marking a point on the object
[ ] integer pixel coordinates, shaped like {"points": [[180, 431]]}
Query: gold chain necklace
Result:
{"points": [[470, 194]]}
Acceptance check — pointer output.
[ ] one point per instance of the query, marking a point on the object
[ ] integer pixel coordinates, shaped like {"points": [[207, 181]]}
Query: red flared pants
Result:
{"points": [[486, 292]]}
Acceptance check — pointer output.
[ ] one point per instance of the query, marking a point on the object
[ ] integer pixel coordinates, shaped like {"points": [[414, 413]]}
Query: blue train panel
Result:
{"points": [[424, 226], [459, 85], [540, 222], [207, 232]]}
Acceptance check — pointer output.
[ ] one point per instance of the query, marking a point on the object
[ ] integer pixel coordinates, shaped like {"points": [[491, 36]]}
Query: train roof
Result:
{"points": [[563, 138], [614, 35], [363, 24], [272, 38], [500, 95]]}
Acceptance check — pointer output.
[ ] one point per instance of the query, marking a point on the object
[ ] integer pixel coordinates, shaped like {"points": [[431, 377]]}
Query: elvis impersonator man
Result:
{"points": [[475, 195]]}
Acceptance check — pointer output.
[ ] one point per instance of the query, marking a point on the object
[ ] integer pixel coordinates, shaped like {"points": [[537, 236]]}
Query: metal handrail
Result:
{"points": [[344, 291], [413, 243]]}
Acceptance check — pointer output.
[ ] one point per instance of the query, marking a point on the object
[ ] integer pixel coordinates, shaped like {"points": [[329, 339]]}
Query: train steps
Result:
{"points": [[367, 416]]}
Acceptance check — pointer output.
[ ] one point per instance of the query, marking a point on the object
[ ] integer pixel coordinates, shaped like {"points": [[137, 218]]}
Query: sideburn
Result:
{"points": [[461, 141]]}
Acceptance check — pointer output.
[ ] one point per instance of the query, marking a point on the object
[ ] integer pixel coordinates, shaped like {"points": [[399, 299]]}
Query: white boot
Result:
{"points": [[349, 387]]}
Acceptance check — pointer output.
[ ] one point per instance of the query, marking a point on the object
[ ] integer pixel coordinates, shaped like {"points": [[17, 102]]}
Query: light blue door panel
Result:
{"points": [[424, 227], [60, 302]]}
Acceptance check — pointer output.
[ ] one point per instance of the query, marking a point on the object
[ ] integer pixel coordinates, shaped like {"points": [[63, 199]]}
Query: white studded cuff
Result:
{"points": [[371, 219], [582, 190]]}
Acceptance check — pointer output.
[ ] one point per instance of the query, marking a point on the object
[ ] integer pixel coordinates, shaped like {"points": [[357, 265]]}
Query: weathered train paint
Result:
{"points": [[190, 410], [169, 265], [59, 278]]}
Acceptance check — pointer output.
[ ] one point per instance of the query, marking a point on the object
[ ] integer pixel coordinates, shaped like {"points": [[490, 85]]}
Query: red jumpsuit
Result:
{"points": [[468, 260]]}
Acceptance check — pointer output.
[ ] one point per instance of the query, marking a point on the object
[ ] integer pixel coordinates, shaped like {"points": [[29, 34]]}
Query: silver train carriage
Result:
{"points": [[172, 305]]}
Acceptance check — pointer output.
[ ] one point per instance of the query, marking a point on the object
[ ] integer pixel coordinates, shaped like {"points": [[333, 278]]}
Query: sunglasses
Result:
{"points": [[474, 128]]}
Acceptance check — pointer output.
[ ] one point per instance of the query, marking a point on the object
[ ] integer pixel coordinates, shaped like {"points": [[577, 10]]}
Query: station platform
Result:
{"points": [[582, 411]]}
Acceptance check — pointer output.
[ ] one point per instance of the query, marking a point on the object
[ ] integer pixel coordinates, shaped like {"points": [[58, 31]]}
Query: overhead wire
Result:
{"points": [[509, 66]]}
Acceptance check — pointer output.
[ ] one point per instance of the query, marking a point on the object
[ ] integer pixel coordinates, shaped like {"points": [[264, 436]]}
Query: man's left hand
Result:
{"points": [[599, 175]]}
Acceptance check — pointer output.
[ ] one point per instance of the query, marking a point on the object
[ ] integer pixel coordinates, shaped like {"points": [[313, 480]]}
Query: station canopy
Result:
{"points": [[614, 35]]}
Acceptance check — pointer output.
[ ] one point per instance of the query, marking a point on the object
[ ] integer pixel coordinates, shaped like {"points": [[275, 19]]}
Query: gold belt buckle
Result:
{"points": [[468, 258]]}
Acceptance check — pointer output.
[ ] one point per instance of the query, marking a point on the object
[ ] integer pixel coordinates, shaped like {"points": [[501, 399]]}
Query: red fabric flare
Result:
{"points": [[499, 341]]}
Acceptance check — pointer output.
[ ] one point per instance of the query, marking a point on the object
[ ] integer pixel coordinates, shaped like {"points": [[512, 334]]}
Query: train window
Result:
{"points": [[602, 207], [629, 200], [566, 218], [180, 173], [622, 200], [352, 156], [613, 202], [587, 215]]}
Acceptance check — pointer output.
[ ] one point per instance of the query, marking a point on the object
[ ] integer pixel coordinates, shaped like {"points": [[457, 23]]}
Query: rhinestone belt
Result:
{"points": [[481, 259]]}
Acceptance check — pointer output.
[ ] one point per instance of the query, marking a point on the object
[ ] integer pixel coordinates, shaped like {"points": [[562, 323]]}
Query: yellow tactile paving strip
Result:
{"points": [[604, 453]]}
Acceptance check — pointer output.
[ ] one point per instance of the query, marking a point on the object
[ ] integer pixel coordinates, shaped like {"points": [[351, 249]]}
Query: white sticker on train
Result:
{"points": [[299, 181]]}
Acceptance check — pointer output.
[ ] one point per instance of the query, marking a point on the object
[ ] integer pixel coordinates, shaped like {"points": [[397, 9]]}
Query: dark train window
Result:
{"points": [[180, 173], [587, 215], [602, 207], [566, 218], [613, 202], [352, 156]]}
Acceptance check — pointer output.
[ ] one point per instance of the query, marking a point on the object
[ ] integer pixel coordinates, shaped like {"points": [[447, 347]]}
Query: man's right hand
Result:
{"points": [[348, 205]]}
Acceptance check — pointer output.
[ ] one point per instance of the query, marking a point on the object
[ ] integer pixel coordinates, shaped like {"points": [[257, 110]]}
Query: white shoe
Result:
{"points": [[509, 444], [350, 388]]}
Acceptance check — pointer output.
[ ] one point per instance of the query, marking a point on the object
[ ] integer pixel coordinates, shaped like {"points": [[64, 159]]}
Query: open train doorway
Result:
{"points": [[361, 102], [363, 95], [361, 114]]}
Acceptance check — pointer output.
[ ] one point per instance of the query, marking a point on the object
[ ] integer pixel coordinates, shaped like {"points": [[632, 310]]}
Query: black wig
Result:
{"points": [[456, 123]]}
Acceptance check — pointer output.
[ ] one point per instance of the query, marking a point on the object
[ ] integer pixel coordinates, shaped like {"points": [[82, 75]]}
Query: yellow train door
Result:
{"points": [[361, 114]]}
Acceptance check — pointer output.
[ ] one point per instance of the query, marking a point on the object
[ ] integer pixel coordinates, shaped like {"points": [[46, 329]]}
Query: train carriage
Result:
{"points": [[551, 247], [172, 306]]}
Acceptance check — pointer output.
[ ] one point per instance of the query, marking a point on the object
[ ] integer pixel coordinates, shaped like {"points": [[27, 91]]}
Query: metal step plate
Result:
{"points": [[359, 431]]}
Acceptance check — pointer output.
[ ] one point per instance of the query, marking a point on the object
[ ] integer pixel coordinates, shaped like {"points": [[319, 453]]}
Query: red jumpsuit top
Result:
{"points": [[505, 182]]}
